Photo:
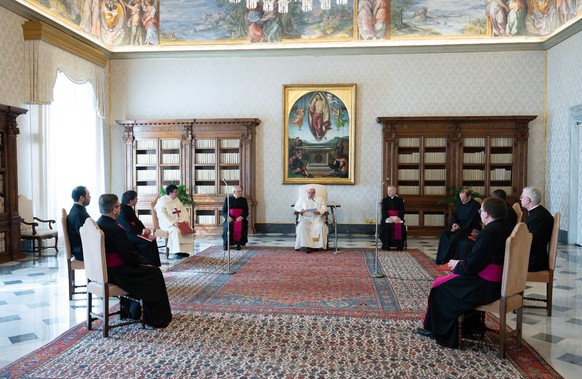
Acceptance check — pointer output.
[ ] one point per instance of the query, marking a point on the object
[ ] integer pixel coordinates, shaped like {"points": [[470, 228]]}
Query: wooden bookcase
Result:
{"points": [[200, 153], [10, 244], [425, 156]]}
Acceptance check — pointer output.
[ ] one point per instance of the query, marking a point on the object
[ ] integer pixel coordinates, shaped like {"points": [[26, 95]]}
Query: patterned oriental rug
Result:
{"points": [[284, 314]]}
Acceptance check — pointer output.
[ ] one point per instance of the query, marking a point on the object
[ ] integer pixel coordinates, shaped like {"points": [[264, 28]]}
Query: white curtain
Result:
{"points": [[74, 145]]}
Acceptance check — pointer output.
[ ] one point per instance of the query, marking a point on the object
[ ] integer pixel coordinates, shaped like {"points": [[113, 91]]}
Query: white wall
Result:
{"points": [[502, 83], [564, 92]]}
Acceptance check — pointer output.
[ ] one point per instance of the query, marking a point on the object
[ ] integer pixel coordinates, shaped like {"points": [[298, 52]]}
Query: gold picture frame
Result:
{"points": [[319, 133]]}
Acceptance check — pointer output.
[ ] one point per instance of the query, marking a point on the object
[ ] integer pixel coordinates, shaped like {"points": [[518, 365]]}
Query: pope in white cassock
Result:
{"points": [[170, 212], [311, 230]]}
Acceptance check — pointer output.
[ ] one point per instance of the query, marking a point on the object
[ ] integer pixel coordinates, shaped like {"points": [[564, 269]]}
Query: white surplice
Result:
{"points": [[170, 211], [311, 230]]}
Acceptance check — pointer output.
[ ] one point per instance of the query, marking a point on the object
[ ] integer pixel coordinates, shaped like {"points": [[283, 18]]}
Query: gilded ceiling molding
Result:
{"points": [[39, 31]]}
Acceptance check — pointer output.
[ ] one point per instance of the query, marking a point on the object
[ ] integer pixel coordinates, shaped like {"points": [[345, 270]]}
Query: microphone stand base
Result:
{"points": [[229, 272], [377, 275]]}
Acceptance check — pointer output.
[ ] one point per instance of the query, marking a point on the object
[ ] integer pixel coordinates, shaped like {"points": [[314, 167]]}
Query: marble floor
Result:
{"points": [[34, 305]]}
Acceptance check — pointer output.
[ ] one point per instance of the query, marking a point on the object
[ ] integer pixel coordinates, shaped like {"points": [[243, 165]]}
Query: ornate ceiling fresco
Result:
{"points": [[129, 24]]}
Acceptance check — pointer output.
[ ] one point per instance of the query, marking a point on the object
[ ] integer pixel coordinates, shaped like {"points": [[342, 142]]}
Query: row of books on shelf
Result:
{"points": [[205, 158], [229, 143], [205, 190], [495, 142], [474, 142], [1, 182], [147, 190], [508, 189], [171, 144], [435, 157], [171, 175], [147, 159], [470, 174], [230, 174], [433, 174], [170, 158], [205, 143], [411, 219], [502, 158], [428, 190], [476, 157], [404, 174], [206, 219], [502, 142], [428, 142], [143, 175], [146, 144], [434, 219], [205, 174], [1, 204], [409, 158], [500, 174], [230, 158], [2, 242]]}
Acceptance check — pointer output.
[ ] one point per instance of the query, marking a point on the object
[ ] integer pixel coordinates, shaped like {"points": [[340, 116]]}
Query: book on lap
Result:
{"points": [[185, 227], [147, 237]]}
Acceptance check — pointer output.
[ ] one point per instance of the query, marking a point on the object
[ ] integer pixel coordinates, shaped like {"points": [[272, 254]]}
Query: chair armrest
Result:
{"points": [[33, 224], [50, 222]]}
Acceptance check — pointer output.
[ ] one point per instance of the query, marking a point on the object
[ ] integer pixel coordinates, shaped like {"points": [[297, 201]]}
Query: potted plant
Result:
{"points": [[185, 197]]}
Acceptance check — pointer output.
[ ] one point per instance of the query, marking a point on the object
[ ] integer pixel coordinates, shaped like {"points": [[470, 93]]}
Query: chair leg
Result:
{"points": [[549, 293], [56, 247], [519, 328], [89, 308], [71, 275], [106, 314], [502, 330], [461, 321]]}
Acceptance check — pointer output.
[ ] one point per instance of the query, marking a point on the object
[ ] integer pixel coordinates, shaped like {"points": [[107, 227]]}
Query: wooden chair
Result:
{"points": [[547, 276], [517, 249], [156, 228], [517, 208], [98, 284], [30, 231], [72, 264], [320, 191]]}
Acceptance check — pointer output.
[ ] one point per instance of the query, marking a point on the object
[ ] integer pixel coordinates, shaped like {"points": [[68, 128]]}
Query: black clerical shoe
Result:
{"points": [[238, 247], [224, 247], [308, 250], [424, 332]]}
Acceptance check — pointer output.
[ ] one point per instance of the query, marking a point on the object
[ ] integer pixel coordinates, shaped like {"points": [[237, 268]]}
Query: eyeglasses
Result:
{"points": [[481, 210]]}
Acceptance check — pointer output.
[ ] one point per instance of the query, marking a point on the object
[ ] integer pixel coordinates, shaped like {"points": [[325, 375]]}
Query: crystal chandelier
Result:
{"points": [[283, 5]]}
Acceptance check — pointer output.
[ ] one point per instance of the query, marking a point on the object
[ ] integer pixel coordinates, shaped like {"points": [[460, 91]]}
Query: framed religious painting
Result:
{"points": [[319, 135]]}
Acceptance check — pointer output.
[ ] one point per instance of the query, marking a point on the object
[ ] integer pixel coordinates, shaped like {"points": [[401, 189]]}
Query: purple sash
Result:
{"points": [[236, 225], [491, 273], [397, 230]]}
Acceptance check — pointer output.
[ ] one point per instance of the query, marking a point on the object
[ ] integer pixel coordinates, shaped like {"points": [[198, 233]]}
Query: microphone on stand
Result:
{"points": [[228, 270], [376, 273]]}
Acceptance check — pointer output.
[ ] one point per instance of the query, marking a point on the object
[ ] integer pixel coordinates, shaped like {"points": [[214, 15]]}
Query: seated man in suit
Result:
{"points": [[235, 220], [311, 230], [171, 212], [133, 226], [540, 223], [76, 218], [465, 219]]}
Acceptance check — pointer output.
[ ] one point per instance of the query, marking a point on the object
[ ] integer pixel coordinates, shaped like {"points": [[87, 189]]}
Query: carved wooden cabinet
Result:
{"points": [[10, 248], [425, 156], [209, 156]]}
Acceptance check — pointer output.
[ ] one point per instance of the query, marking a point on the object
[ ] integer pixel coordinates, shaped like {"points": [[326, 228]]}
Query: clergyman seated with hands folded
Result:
{"points": [[475, 281], [129, 270]]}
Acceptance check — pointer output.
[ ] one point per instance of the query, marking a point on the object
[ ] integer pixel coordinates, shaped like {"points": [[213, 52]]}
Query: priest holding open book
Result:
{"points": [[141, 237], [174, 218]]}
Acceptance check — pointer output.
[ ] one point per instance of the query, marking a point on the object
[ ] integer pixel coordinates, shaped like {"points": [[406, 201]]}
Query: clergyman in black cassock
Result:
{"points": [[468, 288], [392, 205], [239, 211], [465, 219], [76, 218], [134, 227], [130, 271], [540, 223]]}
